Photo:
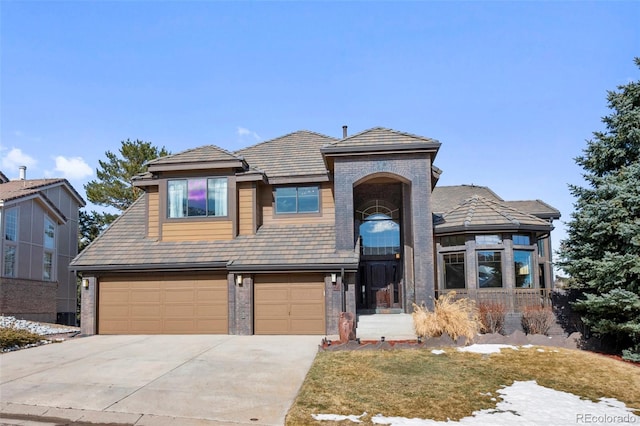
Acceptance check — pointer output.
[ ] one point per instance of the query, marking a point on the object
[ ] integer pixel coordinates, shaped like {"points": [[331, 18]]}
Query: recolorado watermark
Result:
{"points": [[587, 418]]}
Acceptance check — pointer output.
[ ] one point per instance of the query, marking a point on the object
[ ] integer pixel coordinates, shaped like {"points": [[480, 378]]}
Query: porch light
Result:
{"points": [[239, 279], [85, 283], [334, 278]]}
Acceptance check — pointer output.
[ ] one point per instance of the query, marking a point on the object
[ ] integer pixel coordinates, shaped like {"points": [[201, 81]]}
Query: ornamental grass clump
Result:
{"points": [[537, 320], [492, 316], [13, 337], [455, 317]]}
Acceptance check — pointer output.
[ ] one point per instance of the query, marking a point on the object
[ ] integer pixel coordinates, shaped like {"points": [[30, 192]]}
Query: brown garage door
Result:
{"points": [[163, 304], [289, 304]]}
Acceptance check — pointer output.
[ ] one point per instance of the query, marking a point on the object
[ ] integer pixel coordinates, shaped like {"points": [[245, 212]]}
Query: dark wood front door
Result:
{"points": [[379, 284]]}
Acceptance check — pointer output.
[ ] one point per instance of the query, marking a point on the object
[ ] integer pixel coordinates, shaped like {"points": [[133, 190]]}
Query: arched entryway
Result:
{"points": [[378, 228]]}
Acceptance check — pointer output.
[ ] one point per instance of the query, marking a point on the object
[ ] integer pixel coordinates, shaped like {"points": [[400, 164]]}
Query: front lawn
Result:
{"points": [[419, 384]]}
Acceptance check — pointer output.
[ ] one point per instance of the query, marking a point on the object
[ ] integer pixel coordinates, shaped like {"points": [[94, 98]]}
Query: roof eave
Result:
{"points": [[332, 150], [197, 165], [150, 267], [283, 180], [443, 229], [282, 268]]}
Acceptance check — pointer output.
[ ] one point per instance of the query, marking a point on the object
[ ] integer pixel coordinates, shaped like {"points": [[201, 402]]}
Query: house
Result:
{"points": [[39, 223], [283, 236]]}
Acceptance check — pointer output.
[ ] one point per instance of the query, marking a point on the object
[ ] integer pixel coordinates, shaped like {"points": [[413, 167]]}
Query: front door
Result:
{"points": [[379, 284]]}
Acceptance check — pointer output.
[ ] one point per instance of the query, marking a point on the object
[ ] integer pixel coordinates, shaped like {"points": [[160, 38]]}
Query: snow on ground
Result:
{"points": [[35, 327], [525, 403], [437, 351], [486, 348]]}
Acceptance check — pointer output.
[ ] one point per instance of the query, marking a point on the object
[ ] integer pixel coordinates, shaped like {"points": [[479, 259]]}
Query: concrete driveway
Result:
{"points": [[157, 380]]}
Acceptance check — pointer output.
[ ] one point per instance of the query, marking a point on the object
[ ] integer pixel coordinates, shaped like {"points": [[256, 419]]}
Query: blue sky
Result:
{"points": [[511, 89]]}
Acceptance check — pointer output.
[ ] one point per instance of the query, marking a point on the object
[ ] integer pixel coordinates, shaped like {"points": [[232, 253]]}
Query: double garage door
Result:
{"points": [[163, 304], [198, 304], [289, 304]]}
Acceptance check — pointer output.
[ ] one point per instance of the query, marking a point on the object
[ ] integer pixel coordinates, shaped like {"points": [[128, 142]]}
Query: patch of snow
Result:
{"points": [[528, 403], [438, 352], [486, 348], [338, 417], [527, 346], [540, 350]]}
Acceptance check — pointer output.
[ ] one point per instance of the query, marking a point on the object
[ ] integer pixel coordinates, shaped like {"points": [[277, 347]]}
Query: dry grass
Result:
{"points": [[454, 317], [537, 320], [492, 315], [415, 383]]}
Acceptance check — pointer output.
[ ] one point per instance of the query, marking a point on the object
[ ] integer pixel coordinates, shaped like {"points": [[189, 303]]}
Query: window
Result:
{"points": [[49, 234], [297, 199], [523, 268], [521, 240], [11, 238], [49, 249], [11, 225], [197, 197], [453, 240], [380, 235], [47, 270], [489, 269], [9, 261], [454, 276], [488, 239], [541, 248]]}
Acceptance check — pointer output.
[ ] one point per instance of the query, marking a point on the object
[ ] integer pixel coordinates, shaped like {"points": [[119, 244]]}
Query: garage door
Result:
{"points": [[289, 304], [163, 304]]}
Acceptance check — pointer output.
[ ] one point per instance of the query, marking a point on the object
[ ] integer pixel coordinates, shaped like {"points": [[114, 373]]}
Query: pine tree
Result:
{"points": [[114, 187], [602, 250]]}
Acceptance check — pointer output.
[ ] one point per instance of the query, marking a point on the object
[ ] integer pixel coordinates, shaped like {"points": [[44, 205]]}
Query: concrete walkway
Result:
{"points": [[156, 380]]}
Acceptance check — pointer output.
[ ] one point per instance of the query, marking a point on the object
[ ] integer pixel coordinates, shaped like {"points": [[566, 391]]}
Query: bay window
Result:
{"points": [[489, 269]]}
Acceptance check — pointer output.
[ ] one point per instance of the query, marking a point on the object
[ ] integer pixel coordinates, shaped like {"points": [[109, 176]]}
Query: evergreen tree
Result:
{"points": [[602, 250], [114, 187], [91, 225]]}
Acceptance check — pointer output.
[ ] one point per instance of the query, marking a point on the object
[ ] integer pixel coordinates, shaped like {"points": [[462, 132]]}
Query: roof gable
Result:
{"points": [[291, 155], [382, 137], [200, 157]]}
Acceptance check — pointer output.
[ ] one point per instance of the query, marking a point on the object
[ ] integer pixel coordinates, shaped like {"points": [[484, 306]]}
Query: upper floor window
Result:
{"points": [[49, 234], [297, 199], [488, 239], [521, 240], [11, 225], [197, 197]]}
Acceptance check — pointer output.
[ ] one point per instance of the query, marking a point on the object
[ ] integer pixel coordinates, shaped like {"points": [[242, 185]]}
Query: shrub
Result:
{"points": [[537, 320], [10, 337], [492, 315], [454, 317]]}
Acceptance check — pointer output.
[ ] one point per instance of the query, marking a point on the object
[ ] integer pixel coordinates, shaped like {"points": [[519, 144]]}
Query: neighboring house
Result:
{"points": [[282, 236], [39, 224]]}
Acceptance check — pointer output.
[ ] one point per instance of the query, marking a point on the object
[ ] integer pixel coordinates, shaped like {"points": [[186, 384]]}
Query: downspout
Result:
{"points": [[344, 290]]}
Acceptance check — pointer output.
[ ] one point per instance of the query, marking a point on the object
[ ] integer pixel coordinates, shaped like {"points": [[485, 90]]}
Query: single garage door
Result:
{"points": [[289, 304], [163, 304]]}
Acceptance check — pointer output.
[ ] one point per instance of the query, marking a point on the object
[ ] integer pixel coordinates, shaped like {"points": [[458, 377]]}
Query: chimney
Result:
{"points": [[344, 132], [23, 172]]}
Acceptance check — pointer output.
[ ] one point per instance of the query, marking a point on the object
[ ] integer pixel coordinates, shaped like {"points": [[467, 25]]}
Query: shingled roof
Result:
{"points": [[18, 189], [124, 246], [446, 198], [535, 207], [201, 156], [480, 213], [295, 154], [380, 137]]}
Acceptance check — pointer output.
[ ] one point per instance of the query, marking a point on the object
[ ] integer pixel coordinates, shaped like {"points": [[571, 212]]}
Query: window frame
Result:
{"points": [[499, 262], [530, 267], [460, 255], [483, 239], [208, 190], [49, 249], [10, 244], [297, 212], [515, 238]]}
